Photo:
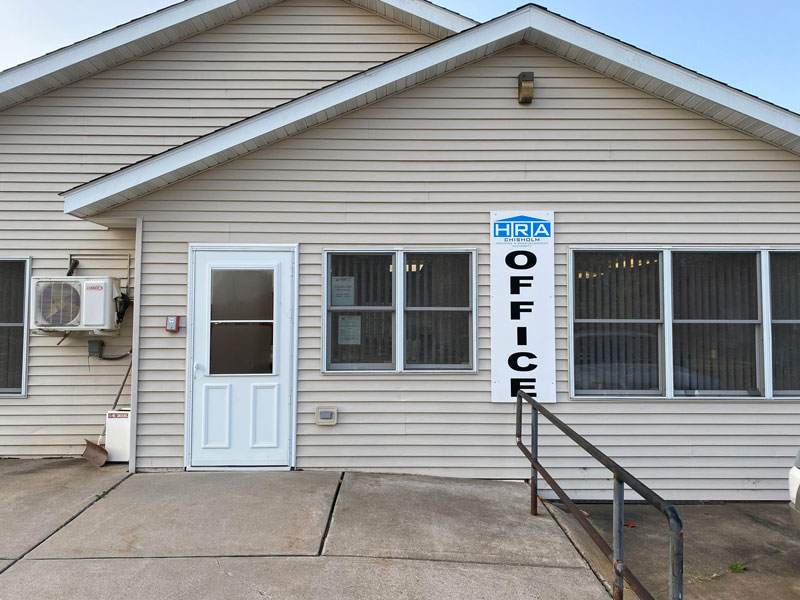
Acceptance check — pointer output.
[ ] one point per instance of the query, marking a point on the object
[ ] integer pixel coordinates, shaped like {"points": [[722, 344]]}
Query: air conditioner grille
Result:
{"points": [[59, 303]]}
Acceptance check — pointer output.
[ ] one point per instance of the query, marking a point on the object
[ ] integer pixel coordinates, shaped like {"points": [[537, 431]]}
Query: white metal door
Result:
{"points": [[241, 357]]}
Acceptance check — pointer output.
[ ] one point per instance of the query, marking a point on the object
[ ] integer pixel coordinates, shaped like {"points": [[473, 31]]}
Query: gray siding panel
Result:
{"points": [[109, 120], [426, 167]]}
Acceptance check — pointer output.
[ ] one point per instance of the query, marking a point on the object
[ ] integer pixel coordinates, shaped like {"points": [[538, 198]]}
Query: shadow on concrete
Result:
{"points": [[756, 535]]}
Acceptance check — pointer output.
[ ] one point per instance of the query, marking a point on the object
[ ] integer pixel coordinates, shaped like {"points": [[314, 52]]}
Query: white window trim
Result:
{"points": [[26, 331], [764, 357], [399, 304]]}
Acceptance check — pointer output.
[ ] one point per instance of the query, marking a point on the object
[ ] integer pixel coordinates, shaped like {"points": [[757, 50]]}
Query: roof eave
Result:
{"points": [[174, 23], [641, 62], [112, 189], [570, 40]]}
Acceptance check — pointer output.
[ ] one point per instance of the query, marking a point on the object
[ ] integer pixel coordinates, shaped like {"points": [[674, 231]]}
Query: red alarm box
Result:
{"points": [[173, 324]]}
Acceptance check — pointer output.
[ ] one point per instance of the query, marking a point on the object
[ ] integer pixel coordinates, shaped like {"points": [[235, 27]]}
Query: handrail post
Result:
{"points": [[621, 573], [619, 523], [676, 554], [535, 449]]}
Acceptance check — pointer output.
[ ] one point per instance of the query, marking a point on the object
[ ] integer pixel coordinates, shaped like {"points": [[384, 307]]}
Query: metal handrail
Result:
{"points": [[621, 478]]}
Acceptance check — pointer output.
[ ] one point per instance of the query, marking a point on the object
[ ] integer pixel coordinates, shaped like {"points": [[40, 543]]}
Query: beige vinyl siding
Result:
{"points": [[104, 122], [426, 167]]}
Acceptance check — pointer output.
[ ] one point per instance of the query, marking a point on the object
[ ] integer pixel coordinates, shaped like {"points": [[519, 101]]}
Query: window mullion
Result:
{"points": [[666, 303], [766, 323], [400, 311]]}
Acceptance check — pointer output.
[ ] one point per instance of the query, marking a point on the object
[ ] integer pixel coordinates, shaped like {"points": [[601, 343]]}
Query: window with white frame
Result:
{"points": [[376, 320], [13, 338], [685, 322]]}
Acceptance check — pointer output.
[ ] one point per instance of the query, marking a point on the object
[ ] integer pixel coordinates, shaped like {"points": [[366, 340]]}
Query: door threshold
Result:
{"points": [[242, 468]]}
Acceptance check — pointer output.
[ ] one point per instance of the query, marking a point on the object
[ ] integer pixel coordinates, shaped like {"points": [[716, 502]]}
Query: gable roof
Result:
{"points": [[177, 22], [530, 23]]}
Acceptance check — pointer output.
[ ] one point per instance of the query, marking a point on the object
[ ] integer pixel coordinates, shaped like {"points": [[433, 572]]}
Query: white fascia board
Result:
{"points": [[663, 70], [103, 42], [433, 13], [79, 198]]}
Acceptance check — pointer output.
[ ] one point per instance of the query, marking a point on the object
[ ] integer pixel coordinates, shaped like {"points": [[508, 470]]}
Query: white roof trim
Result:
{"points": [[421, 9], [663, 70], [171, 24], [528, 23]]}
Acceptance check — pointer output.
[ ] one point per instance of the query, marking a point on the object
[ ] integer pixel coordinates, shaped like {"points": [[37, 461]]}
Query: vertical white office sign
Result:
{"points": [[523, 306]]}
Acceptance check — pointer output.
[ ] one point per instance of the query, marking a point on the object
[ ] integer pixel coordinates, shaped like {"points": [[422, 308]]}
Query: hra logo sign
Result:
{"points": [[522, 227], [523, 306]]}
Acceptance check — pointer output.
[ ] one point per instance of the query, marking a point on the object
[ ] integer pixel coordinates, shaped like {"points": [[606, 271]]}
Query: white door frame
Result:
{"points": [[187, 441]]}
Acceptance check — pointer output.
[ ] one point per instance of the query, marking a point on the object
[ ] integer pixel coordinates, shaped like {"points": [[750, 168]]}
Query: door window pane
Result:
{"points": [[362, 338], [618, 326], [13, 274], [438, 339], [242, 295], [241, 348]]}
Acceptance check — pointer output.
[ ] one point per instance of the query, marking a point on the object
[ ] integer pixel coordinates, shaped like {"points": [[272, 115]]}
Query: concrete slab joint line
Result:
{"points": [[330, 516], [196, 514], [41, 496], [305, 534]]}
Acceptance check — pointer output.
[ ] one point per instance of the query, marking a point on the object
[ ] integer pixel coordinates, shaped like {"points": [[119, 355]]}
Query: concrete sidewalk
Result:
{"points": [[305, 535], [39, 496]]}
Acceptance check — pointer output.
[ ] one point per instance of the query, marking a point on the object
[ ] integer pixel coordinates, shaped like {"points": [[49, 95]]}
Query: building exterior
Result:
{"points": [[309, 186]]}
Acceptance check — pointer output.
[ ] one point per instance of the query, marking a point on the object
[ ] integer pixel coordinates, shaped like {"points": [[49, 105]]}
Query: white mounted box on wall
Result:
{"points": [[60, 304], [326, 415], [118, 435]]}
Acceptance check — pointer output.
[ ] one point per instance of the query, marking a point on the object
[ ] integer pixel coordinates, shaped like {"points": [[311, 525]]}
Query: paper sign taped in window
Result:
{"points": [[349, 330], [343, 291]]}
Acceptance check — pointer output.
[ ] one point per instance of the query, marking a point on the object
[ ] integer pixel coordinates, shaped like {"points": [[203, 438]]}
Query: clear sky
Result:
{"points": [[754, 46]]}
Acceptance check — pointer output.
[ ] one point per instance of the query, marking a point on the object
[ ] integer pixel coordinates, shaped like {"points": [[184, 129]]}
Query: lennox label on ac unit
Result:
{"points": [[523, 306]]}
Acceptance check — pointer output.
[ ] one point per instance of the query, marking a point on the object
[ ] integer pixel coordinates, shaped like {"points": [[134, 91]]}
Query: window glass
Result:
{"points": [[12, 325], [434, 313], [362, 338], [617, 285], [361, 318], [617, 357], [438, 315], [785, 291], [437, 279], [361, 280], [716, 318], [715, 285], [712, 358], [438, 338], [242, 321], [617, 330], [241, 348], [242, 295]]}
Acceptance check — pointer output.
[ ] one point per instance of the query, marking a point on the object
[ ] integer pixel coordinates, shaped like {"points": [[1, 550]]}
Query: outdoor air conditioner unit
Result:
{"points": [[74, 304]]}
